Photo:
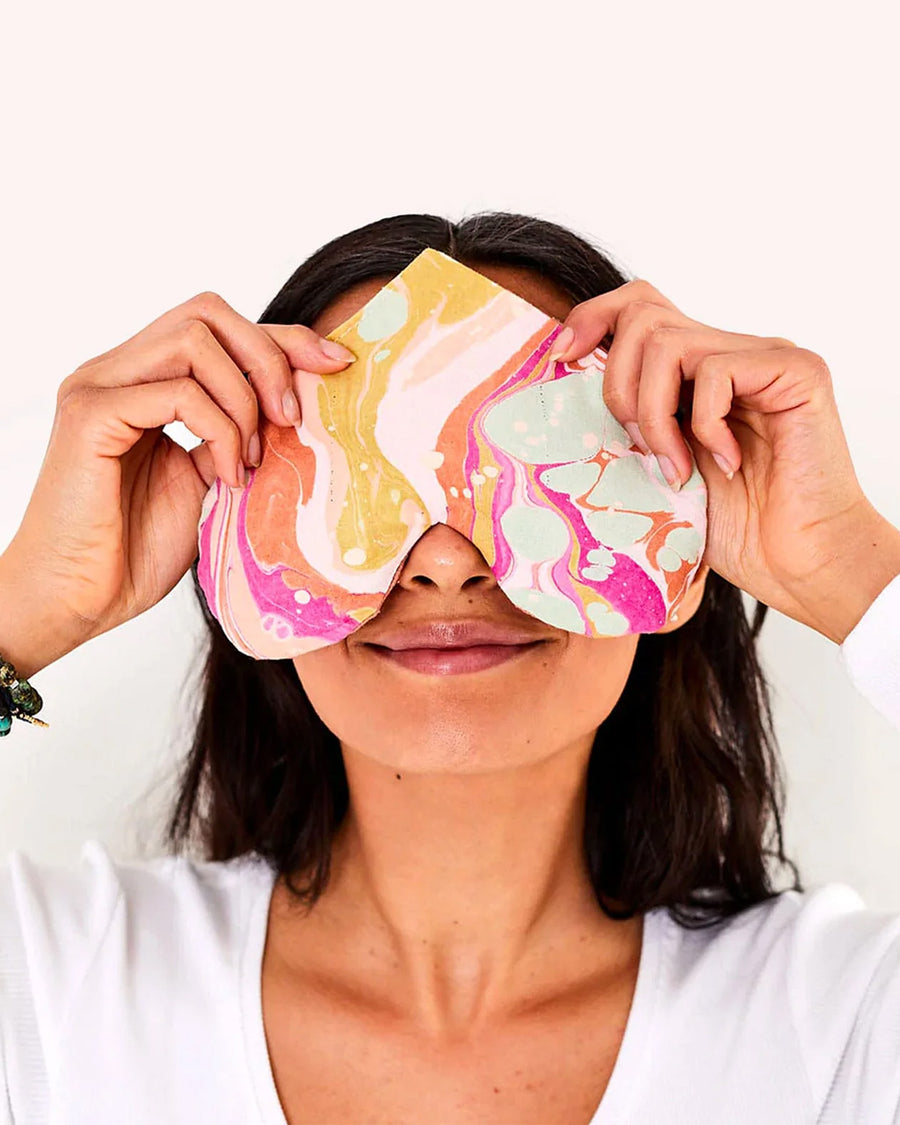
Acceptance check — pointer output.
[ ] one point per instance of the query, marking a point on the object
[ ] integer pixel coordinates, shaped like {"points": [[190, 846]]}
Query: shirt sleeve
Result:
{"points": [[871, 653], [52, 922]]}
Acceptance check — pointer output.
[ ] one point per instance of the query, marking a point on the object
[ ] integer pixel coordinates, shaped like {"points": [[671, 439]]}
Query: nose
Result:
{"points": [[445, 559]]}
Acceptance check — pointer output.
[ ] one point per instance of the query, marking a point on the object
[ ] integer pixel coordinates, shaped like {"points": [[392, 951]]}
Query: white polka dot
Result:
{"points": [[467, 492], [477, 478], [490, 470], [363, 466], [356, 556], [432, 459], [302, 596], [395, 495], [454, 491]]}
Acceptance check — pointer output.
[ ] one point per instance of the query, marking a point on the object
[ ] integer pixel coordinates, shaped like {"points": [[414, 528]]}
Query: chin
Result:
{"points": [[455, 754], [462, 739]]}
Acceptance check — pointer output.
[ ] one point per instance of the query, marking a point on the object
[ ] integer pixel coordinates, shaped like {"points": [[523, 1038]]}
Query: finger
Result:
{"points": [[307, 353], [713, 399], [661, 353], [188, 350], [110, 420], [598, 317], [763, 379], [622, 374], [660, 396], [269, 358], [255, 350], [767, 379], [302, 345], [658, 400], [307, 350]]}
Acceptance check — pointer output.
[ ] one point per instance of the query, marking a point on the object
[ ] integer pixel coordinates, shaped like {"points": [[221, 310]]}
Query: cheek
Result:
{"points": [[361, 703], [327, 680], [594, 676]]}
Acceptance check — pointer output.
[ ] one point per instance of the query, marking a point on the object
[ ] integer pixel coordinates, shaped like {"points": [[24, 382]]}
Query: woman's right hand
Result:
{"points": [[112, 523]]}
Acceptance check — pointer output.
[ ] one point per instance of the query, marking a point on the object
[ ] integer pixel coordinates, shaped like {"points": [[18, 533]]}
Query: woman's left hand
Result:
{"points": [[792, 525]]}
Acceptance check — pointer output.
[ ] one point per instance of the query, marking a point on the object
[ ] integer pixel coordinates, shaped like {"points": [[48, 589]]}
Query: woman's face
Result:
{"points": [[546, 695]]}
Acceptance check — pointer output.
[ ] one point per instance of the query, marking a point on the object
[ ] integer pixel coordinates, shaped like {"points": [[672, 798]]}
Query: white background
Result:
{"points": [[742, 158]]}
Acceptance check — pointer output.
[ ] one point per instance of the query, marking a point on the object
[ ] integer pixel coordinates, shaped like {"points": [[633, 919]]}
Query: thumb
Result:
{"points": [[202, 457]]}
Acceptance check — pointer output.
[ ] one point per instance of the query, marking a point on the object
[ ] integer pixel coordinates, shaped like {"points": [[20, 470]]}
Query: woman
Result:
{"points": [[532, 892]]}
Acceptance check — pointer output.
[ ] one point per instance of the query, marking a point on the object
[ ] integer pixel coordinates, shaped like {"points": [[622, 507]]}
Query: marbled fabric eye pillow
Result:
{"points": [[450, 414]]}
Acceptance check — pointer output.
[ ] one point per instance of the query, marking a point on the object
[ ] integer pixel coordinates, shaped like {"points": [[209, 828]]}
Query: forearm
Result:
{"points": [[865, 560]]}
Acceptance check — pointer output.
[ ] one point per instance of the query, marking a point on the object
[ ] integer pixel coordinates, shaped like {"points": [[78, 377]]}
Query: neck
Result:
{"points": [[468, 893]]}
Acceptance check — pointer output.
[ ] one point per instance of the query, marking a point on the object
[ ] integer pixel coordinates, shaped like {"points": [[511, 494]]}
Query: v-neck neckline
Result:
{"points": [[638, 1041], [632, 1060]]}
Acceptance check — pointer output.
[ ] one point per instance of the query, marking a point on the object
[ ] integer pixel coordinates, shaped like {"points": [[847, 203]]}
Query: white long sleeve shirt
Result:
{"points": [[130, 992]]}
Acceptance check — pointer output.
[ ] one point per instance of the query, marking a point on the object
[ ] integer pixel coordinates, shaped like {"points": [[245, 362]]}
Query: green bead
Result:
{"points": [[26, 698], [5, 724]]}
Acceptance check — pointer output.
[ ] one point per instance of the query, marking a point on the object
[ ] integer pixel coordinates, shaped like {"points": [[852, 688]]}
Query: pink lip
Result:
{"points": [[455, 633], [444, 648], [453, 661]]}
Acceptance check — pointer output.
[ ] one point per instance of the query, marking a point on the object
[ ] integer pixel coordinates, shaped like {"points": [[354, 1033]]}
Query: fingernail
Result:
{"points": [[723, 465], [562, 343], [634, 432], [669, 471], [253, 450], [336, 351], [241, 474], [290, 405]]}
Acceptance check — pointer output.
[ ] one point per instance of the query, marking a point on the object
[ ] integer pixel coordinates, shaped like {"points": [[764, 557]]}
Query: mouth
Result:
{"points": [[449, 661], [453, 647]]}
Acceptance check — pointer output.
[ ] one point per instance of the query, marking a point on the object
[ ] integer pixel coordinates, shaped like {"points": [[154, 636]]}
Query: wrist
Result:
{"points": [[864, 560], [31, 637]]}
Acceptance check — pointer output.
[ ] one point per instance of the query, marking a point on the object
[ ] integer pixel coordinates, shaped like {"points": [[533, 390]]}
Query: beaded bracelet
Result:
{"points": [[18, 699]]}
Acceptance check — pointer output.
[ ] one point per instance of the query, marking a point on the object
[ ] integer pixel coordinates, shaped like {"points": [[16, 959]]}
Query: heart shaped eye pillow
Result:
{"points": [[452, 413]]}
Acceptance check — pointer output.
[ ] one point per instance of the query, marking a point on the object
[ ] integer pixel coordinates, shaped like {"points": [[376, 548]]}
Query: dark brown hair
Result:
{"points": [[684, 792]]}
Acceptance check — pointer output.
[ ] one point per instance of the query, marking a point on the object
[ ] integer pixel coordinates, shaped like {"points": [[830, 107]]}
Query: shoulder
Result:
{"points": [[65, 908], [814, 936], [103, 949], [817, 969], [99, 922]]}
